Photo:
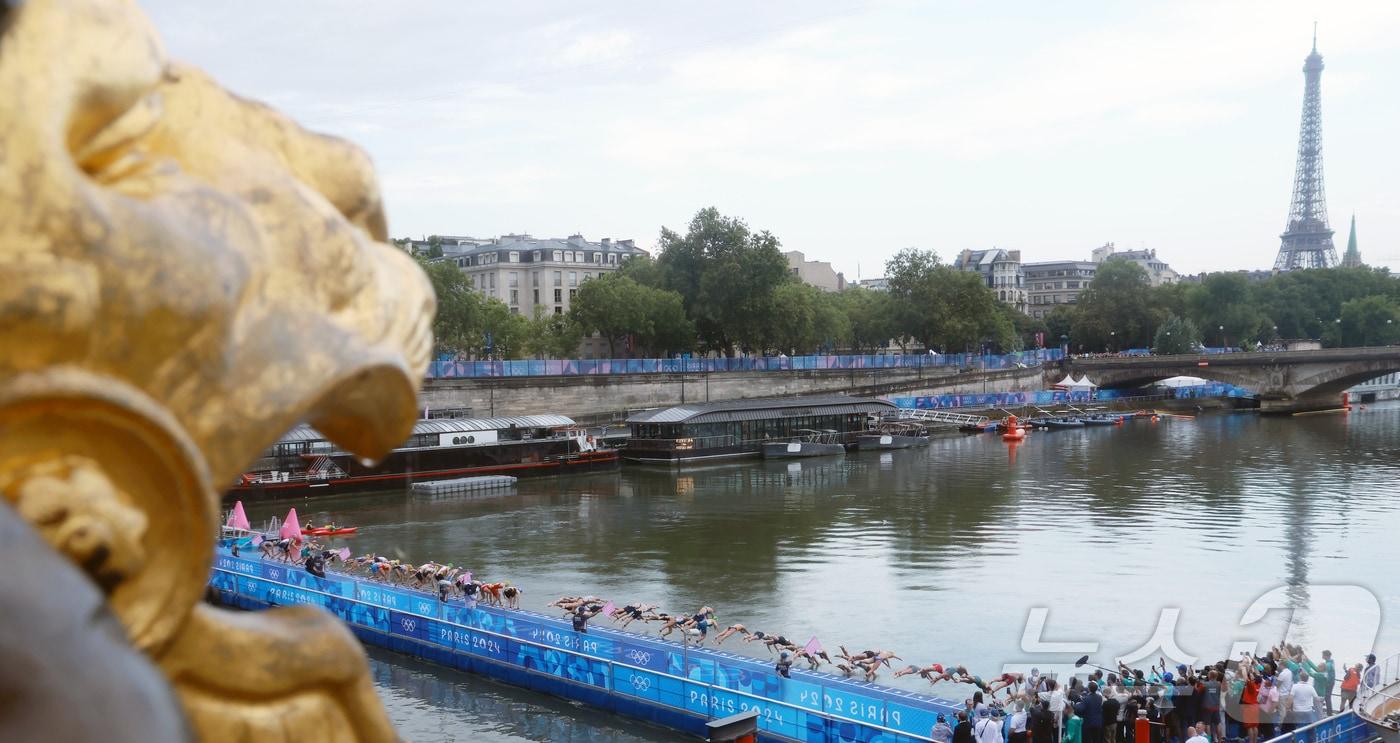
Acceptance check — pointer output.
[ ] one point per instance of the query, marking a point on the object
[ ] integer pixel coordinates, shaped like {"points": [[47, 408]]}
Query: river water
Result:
{"points": [[1185, 537]]}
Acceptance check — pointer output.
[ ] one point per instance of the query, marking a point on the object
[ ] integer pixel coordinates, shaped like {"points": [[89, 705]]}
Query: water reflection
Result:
{"points": [[430, 704], [940, 552]]}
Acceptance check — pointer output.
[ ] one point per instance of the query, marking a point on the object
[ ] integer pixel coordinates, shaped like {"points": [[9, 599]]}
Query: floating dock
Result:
{"points": [[671, 684], [463, 485]]}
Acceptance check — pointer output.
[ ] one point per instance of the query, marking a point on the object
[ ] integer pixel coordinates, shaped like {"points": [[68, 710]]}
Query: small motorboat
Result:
{"points": [[807, 443], [1064, 423], [880, 441], [1099, 420]]}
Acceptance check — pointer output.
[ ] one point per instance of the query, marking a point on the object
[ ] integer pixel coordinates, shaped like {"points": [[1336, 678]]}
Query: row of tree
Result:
{"points": [[1340, 307], [721, 287]]}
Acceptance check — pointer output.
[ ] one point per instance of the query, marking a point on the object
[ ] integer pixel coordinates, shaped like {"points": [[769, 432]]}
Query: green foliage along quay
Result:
{"points": [[722, 287]]}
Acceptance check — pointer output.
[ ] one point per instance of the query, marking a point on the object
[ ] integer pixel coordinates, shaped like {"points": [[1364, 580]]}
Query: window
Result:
{"points": [[558, 310], [535, 278], [492, 276], [573, 278], [514, 310], [558, 296], [597, 257], [587, 275], [573, 293], [535, 255], [537, 296], [557, 256], [612, 258], [514, 256], [514, 297], [513, 278], [558, 278]]}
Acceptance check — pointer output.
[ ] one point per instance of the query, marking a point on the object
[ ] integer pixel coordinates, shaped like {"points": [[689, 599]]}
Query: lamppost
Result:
{"points": [[1113, 341], [1223, 344]]}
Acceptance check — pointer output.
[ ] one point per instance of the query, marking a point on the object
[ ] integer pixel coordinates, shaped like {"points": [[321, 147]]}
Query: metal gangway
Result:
{"points": [[946, 417]]}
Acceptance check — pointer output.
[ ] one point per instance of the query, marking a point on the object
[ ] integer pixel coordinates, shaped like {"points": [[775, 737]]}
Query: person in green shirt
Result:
{"points": [[1074, 728], [1324, 677]]}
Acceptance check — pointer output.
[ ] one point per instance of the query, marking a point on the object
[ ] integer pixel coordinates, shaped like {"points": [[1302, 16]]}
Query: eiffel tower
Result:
{"points": [[1307, 242]]}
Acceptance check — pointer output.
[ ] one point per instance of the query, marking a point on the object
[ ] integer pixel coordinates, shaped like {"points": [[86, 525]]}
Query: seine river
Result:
{"points": [[1185, 537]]}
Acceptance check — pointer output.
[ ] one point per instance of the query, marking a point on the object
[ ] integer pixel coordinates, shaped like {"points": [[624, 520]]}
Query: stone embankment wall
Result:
{"points": [[600, 398]]}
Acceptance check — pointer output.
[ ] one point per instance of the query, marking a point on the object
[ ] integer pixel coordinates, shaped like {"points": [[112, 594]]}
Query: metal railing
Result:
{"points": [[1346, 727], [1378, 699], [943, 416], [449, 368]]}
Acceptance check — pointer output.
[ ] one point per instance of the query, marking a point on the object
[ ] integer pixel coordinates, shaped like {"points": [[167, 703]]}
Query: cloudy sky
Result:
{"points": [[848, 130]]}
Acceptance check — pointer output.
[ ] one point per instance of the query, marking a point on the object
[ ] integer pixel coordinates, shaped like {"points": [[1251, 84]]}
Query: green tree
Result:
{"points": [[504, 334], [666, 330], [616, 307], [608, 306], [1115, 312], [434, 246], [1176, 335], [870, 318], [1059, 323], [944, 308], [726, 276], [553, 336], [1224, 308], [459, 313], [1370, 321]]}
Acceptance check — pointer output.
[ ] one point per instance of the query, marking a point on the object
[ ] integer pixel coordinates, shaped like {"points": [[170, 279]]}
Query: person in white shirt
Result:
{"points": [[1304, 701], [1284, 682], [1194, 736], [1016, 725], [986, 730]]}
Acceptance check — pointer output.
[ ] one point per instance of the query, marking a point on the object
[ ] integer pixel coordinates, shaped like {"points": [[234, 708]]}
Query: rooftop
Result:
{"points": [[761, 408], [304, 432]]}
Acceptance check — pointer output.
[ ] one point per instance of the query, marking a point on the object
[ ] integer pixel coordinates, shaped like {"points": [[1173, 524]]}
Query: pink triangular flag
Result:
{"points": [[608, 609], [812, 647], [291, 528], [257, 540], [237, 518], [344, 554]]}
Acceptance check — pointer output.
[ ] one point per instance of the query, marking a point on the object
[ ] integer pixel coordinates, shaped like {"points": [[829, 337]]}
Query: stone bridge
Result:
{"points": [[1286, 381]]}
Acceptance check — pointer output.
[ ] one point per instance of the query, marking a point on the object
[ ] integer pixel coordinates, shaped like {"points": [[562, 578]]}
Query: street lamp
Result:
{"points": [[1221, 328], [1112, 340]]}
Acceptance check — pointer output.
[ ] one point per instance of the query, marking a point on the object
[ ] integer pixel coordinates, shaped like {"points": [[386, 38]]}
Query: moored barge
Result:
{"points": [[740, 428], [304, 463]]}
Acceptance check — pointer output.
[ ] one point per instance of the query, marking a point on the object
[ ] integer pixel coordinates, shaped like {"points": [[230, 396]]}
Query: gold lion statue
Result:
{"points": [[184, 275]]}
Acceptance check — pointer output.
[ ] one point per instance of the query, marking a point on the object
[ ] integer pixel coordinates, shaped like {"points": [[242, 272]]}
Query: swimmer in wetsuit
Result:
{"points": [[1007, 681], [733, 629], [925, 672], [512, 594]]}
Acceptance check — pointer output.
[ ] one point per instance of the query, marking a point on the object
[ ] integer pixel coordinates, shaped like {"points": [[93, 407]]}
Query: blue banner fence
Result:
{"points": [[603, 667], [1346, 727], [1059, 397], [449, 368]]}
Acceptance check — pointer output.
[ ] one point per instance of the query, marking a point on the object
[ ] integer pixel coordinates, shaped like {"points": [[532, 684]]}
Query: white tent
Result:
{"points": [[1069, 383]]}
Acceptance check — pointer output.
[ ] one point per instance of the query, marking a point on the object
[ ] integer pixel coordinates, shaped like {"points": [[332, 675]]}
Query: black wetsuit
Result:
{"points": [[316, 566]]}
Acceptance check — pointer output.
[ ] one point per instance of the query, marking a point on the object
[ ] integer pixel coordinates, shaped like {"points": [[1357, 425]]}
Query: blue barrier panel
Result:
{"points": [[382, 596], [408, 625], [284, 595], [698, 681], [238, 565], [449, 368], [369, 617], [634, 683], [253, 588]]}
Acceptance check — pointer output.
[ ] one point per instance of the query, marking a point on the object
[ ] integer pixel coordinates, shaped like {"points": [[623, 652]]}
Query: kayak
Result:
{"points": [[330, 532]]}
